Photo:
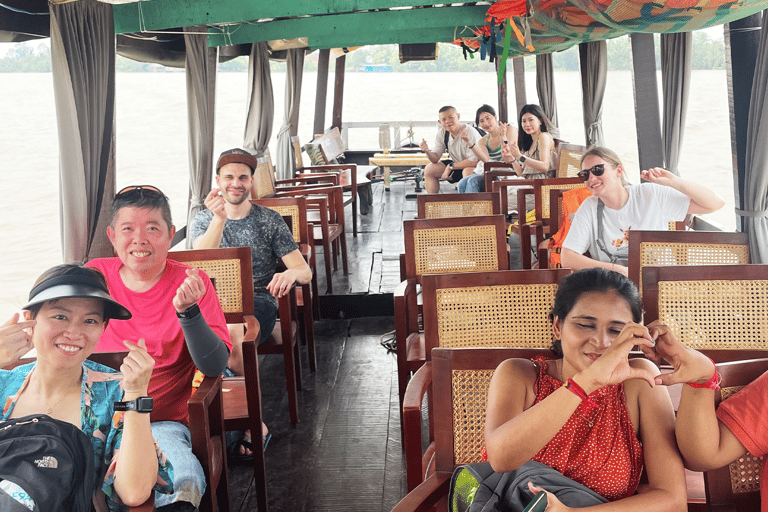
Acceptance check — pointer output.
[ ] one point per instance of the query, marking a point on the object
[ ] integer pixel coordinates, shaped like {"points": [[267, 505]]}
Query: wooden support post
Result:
{"points": [[647, 118], [502, 89], [322, 91], [338, 91], [519, 67], [742, 38]]}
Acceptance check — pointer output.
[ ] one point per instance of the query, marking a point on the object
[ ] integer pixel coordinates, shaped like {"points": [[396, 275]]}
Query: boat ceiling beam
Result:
{"points": [[356, 29], [164, 14]]}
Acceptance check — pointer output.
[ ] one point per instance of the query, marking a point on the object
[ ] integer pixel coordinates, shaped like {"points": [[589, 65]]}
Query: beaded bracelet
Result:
{"points": [[577, 390], [713, 383]]}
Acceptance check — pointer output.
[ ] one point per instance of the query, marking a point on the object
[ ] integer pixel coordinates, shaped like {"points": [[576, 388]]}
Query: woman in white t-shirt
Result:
{"points": [[602, 222]]}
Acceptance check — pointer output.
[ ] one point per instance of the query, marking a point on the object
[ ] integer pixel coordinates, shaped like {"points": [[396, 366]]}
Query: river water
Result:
{"points": [[152, 139]]}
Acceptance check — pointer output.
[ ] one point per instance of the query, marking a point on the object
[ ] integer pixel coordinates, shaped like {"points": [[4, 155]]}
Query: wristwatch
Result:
{"points": [[522, 159], [141, 404], [191, 312]]}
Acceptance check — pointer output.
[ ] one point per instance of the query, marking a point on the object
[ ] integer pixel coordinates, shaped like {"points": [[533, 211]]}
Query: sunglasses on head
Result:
{"points": [[597, 170], [139, 190]]}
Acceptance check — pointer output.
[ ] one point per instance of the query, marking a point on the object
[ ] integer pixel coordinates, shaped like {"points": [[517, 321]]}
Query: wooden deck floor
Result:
{"points": [[345, 453]]}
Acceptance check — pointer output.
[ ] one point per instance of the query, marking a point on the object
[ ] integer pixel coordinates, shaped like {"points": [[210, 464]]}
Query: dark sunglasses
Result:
{"points": [[139, 190], [597, 170]]}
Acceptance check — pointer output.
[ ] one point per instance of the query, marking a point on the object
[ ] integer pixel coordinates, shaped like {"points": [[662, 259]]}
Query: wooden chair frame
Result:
{"points": [[416, 463], [489, 199], [434, 489], [718, 485], [330, 232], [679, 238], [654, 276], [410, 345], [347, 174], [242, 395], [308, 299], [569, 158]]}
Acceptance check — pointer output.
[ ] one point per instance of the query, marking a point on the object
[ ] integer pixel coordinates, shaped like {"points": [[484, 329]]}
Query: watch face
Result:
{"points": [[144, 404]]}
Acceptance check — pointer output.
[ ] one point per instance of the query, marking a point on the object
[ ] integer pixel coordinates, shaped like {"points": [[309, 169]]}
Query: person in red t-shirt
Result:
{"points": [[710, 439], [176, 310]]}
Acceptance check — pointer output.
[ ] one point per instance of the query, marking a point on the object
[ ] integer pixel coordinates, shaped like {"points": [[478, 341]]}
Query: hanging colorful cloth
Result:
{"points": [[506, 10]]}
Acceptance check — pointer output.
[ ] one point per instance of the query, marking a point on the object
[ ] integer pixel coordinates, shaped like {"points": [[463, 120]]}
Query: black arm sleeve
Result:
{"points": [[208, 352]]}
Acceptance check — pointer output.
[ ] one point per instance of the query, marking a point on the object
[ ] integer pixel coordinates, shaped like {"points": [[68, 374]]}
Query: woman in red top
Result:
{"points": [[592, 414]]}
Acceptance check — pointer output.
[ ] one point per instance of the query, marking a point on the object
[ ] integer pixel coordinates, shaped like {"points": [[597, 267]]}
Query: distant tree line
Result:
{"points": [[707, 54]]}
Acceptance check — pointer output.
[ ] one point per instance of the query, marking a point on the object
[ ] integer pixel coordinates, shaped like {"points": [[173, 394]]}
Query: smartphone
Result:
{"points": [[538, 504]]}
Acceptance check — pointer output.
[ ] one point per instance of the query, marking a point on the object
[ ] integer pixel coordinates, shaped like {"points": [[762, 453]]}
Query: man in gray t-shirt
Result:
{"points": [[231, 220]]}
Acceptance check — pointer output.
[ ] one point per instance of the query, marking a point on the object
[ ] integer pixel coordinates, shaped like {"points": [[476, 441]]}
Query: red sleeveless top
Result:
{"points": [[597, 446]]}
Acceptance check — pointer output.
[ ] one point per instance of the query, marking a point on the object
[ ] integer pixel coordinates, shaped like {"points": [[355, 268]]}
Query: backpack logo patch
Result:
{"points": [[47, 462]]}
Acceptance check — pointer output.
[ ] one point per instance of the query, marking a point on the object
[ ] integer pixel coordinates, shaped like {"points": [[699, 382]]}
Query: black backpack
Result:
{"points": [[52, 460]]}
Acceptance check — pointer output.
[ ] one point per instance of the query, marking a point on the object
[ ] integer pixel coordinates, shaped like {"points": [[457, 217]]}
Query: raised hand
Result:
{"points": [[190, 291], [15, 339], [613, 366], [424, 146], [136, 368], [215, 202], [465, 135], [658, 175], [688, 365]]}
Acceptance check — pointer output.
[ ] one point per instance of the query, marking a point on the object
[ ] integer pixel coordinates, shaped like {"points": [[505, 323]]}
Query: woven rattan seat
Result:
{"points": [[460, 379], [675, 247], [735, 487], [569, 163], [459, 244], [489, 309], [441, 206], [718, 309], [540, 190], [231, 273]]}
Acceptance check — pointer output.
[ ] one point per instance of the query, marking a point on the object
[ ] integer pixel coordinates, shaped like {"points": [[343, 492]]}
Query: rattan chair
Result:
{"points": [[441, 206], [489, 309], [434, 246], [717, 309], [736, 487], [663, 248], [460, 381], [347, 174], [542, 226], [539, 191], [306, 295], [569, 160], [230, 271]]}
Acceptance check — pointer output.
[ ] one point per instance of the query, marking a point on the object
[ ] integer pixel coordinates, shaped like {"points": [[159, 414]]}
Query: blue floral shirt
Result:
{"points": [[99, 422]]}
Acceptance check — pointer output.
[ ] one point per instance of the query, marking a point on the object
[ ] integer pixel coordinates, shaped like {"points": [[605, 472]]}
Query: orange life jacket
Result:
{"points": [[572, 199]]}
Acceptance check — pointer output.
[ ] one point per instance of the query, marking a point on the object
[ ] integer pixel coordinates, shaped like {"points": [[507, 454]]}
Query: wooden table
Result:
{"points": [[387, 160]]}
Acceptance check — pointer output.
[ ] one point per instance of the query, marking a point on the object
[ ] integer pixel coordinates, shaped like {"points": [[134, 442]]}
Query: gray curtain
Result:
{"points": [[261, 101], [755, 202], [295, 69], [676, 83], [201, 92], [83, 65], [545, 87], [593, 60]]}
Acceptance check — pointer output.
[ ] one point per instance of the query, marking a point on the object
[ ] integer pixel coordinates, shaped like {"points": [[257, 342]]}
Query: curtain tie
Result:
{"points": [[751, 213]]}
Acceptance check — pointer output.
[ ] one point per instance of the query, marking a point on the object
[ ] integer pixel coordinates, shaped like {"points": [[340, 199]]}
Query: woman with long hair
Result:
{"points": [[533, 155], [602, 222]]}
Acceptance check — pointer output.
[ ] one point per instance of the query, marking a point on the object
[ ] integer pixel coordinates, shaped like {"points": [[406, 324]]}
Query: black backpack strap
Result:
{"points": [[445, 140]]}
